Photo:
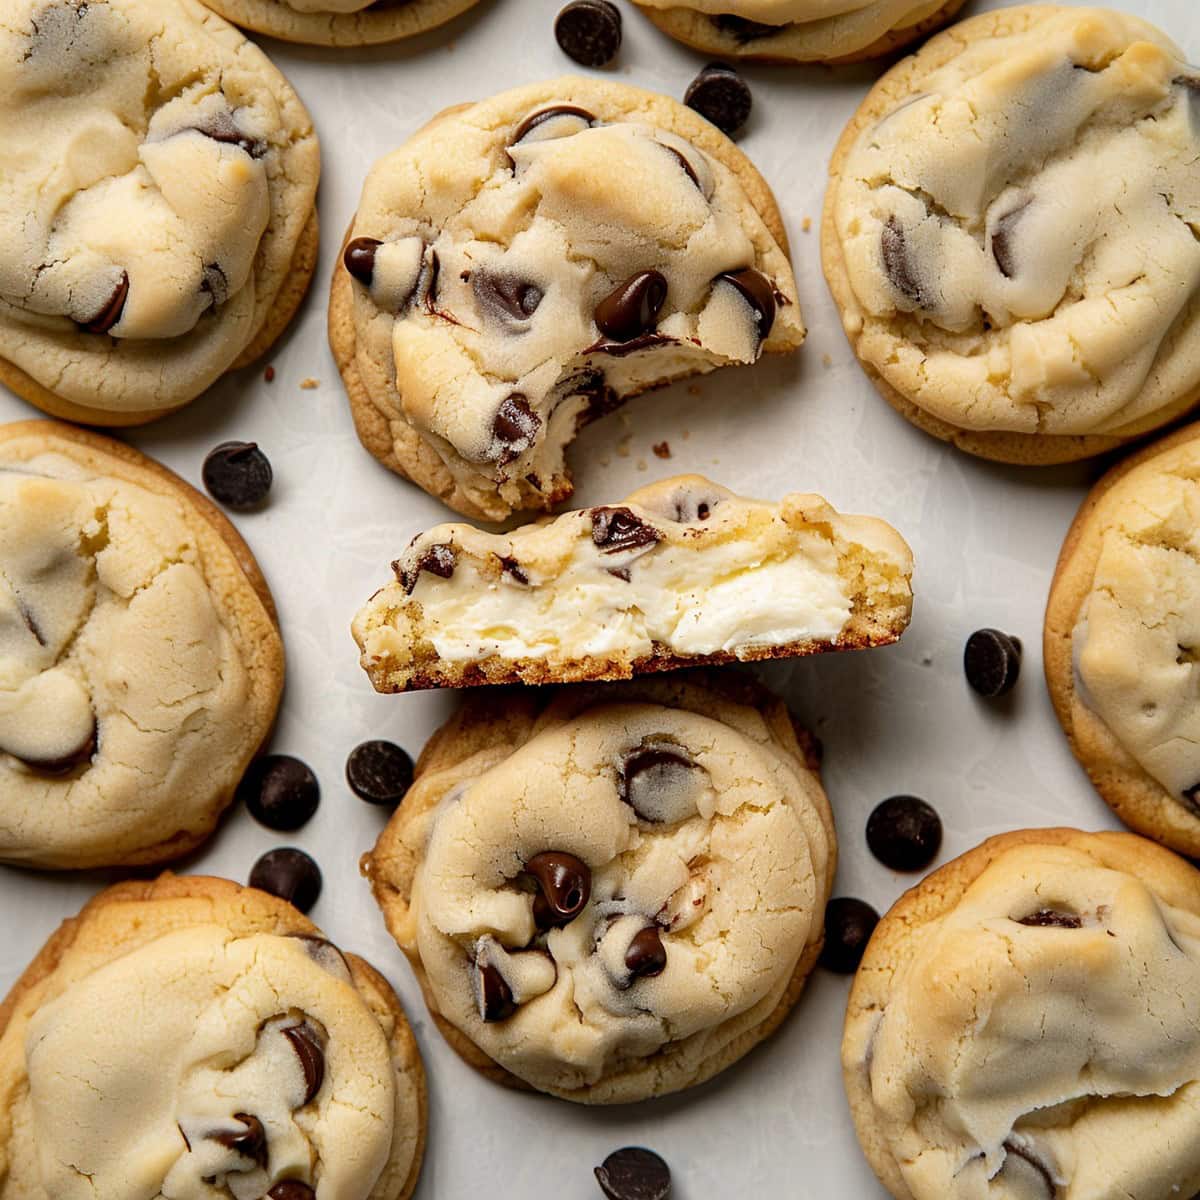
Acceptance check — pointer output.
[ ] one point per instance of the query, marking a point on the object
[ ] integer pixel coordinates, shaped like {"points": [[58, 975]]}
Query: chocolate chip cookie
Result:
{"points": [[799, 31], [682, 572], [611, 894], [189, 1037], [1008, 232], [1121, 638], [1025, 1025], [340, 22], [159, 186], [525, 264], [140, 663]]}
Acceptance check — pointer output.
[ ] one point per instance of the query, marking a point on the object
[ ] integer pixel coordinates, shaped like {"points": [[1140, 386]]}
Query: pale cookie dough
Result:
{"points": [[1025, 1025], [340, 22], [1010, 233], [682, 572], [611, 894], [140, 663], [159, 178], [189, 1039], [523, 265], [1122, 640], [799, 31]]}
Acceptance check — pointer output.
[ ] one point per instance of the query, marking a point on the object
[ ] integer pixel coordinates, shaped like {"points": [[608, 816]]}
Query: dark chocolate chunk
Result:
{"points": [[849, 924], [1002, 240], [634, 1173], [722, 96], [1029, 1165], [514, 426], [589, 31], [250, 1142], [307, 1043], [689, 170], [513, 569], [904, 833], [221, 127], [543, 115], [743, 30], [238, 474], [565, 885], [496, 1001], [646, 341], [615, 530], [632, 307], [281, 792], [646, 955], [359, 258], [757, 291], [1047, 918], [113, 307], [289, 874], [992, 661], [379, 772], [291, 1189], [896, 263], [506, 297], [438, 560], [649, 771]]}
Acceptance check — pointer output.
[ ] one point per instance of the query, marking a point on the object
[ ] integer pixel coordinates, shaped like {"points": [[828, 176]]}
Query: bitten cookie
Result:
{"points": [[523, 265], [140, 663], [1025, 1025], [681, 573], [611, 894], [799, 31], [1122, 639], [158, 201], [340, 22], [192, 1038], [1008, 232]]}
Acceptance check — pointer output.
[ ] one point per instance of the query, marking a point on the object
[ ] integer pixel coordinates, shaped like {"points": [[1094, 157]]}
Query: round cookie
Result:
{"points": [[160, 187], [187, 1034], [522, 265], [1025, 1025], [340, 22], [611, 894], [985, 309], [799, 31], [1122, 624], [140, 663]]}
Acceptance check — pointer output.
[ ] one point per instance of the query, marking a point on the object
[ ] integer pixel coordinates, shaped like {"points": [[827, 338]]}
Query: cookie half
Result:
{"points": [[683, 572], [1008, 233], [160, 182], [340, 22], [1026, 1024], [611, 894], [188, 1034], [1122, 640], [523, 265], [799, 31], [140, 662]]}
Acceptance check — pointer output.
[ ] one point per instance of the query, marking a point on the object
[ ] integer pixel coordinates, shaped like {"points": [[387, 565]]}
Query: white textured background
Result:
{"points": [[897, 720]]}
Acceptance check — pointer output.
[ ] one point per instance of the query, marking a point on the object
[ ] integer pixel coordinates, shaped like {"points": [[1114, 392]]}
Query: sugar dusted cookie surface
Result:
{"points": [[523, 264], [340, 22], [1009, 233], [615, 896]]}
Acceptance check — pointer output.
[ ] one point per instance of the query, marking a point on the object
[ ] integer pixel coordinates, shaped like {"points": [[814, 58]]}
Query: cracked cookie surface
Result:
{"points": [[140, 663], [159, 187], [193, 1039], [340, 22], [611, 895], [1012, 233], [524, 264], [1025, 1025]]}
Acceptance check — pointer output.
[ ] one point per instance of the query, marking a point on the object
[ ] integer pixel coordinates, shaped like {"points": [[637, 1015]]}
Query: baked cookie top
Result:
{"points": [[523, 264], [1010, 225], [158, 174], [340, 22], [140, 666], [1026, 1023], [609, 893], [190, 1038]]}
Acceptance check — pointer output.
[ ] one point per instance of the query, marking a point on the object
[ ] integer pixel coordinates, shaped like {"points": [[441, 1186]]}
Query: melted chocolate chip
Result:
{"points": [[429, 280], [514, 426], [634, 1173], [615, 530], [496, 1001], [690, 509], [1035, 1164], [281, 792], [649, 772], [64, 763], [513, 569], [379, 772], [324, 953], [565, 884], [646, 341], [849, 924], [743, 30], [992, 662], [589, 31], [1046, 918], [506, 297], [438, 560], [1002, 240], [646, 955], [238, 475], [306, 1042], [221, 127], [112, 309], [250, 1142], [540, 117], [291, 1189], [1191, 798], [757, 291], [904, 833], [289, 874], [896, 263], [722, 96], [632, 307], [359, 258], [689, 170], [215, 283]]}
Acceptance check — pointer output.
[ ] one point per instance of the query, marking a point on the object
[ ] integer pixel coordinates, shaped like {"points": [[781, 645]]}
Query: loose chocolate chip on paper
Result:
{"points": [[634, 1173], [722, 96], [280, 791], [250, 1141], [565, 885], [992, 662], [289, 874], [359, 258], [238, 475], [379, 772], [904, 833], [632, 307], [112, 309], [849, 924], [589, 31]]}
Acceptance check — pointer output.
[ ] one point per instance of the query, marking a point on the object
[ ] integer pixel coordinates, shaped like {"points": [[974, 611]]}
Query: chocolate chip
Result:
{"points": [[634, 1173], [632, 307], [359, 258], [646, 955], [689, 170], [849, 924], [514, 427], [1191, 798], [757, 291], [438, 560], [589, 31], [992, 661], [238, 474], [281, 792], [289, 874], [250, 1142], [616, 530], [496, 1001], [112, 309], [896, 264], [565, 884], [325, 954], [214, 283], [291, 1189], [654, 771], [743, 30], [1046, 918], [539, 118], [506, 297], [379, 772], [1002, 240], [646, 341], [904, 833], [513, 569], [720, 95], [1033, 1164], [65, 763], [306, 1042], [221, 127]]}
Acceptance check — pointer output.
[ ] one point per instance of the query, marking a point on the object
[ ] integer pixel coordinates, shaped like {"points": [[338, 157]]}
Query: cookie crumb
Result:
{"points": [[806, 225], [310, 384], [661, 449], [641, 464], [623, 446], [687, 433], [269, 374], [826, 361]]}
